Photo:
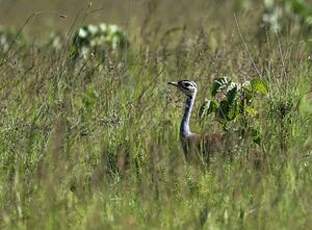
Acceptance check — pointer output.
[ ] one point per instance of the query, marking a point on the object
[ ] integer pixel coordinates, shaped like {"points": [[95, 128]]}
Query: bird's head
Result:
{"points": [[189, 88]]}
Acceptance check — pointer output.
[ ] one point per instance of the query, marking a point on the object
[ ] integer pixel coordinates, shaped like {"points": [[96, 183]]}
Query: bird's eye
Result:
{"points": [[186, 84]]}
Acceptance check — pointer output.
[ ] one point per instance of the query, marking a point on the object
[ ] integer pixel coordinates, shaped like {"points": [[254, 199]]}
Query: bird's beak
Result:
{"points": [[174, 83]]}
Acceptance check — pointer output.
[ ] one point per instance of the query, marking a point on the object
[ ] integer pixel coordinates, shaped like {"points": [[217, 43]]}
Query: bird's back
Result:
{"points": [[202, 147]]}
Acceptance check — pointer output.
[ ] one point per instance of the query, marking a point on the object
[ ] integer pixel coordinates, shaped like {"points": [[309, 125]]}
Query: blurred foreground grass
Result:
{"points": [[95, 145]]}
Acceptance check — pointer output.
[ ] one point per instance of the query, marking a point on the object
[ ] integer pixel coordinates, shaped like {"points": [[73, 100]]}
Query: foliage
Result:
{"points": [[98, 39], [83, 147], [9, 37], [278, 13], [235, 101]]}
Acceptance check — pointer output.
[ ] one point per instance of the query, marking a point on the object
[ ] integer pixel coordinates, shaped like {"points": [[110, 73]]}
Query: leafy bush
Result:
{"points": [[98, 39], [10, 37], [234, 102], [277, 14]]}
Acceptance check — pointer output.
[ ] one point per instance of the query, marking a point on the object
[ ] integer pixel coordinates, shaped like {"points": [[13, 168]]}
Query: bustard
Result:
{"points": [[193, 144]]}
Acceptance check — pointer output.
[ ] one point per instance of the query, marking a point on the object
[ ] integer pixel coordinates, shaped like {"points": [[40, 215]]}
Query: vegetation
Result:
{"points": [[233, 103], [83, 147], [98, 40], [279, 13]]}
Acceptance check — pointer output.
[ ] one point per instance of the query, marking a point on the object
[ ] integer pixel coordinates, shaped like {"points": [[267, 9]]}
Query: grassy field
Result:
{"points": [[89, 147]]}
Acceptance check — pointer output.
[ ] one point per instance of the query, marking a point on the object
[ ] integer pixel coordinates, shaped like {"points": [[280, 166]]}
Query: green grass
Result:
{"points": [[65, 130]]}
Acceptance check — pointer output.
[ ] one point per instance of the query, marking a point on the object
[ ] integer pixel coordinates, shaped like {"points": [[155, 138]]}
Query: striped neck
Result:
{"points": [[185, 124]]}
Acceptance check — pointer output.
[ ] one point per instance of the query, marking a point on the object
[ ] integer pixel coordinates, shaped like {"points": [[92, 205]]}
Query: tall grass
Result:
{"points": [[89, 147]]}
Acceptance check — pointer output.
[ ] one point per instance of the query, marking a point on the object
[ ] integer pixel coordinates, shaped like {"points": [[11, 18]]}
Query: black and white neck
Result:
{"points": [[185, 130], [189, 88]]}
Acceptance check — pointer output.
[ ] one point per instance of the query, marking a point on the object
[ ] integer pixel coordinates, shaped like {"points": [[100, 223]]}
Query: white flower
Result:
{"points": [[3, 40], [82, 33], [103, 27], [115, 42], [93, 29], [269, 3], [93, 43], [85, 52], [113, 28], [57, 43]]}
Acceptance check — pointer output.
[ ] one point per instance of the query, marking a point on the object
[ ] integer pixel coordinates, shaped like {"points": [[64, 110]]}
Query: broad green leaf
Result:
{"points": [[259, 86], [256, 136], [231, 95], [219, 84], [233, 111], [223, 110]]}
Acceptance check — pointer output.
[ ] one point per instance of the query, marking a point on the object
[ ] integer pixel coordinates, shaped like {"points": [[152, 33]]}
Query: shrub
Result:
{"points": [[234, 103], [98, 40], [277, 14], [10, 37]]}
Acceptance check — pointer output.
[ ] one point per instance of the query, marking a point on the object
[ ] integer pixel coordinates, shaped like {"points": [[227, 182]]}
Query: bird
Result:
{"points": [[195, 146]]}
